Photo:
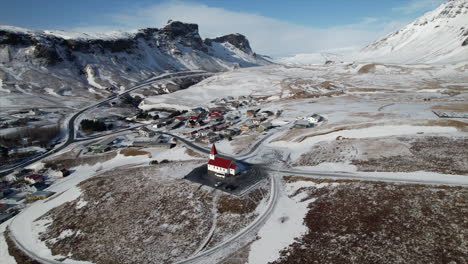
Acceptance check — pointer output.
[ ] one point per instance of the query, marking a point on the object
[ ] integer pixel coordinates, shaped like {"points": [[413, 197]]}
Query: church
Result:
{"points": [[221, 166]]}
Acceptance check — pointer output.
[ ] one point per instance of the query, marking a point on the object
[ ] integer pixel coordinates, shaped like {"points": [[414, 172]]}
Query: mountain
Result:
{"points": [[65, 64], [439, 36]]}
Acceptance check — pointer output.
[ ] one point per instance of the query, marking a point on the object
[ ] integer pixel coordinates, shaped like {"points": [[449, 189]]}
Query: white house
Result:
{"points": [[313, 119], [221, 166], [145, 132]]}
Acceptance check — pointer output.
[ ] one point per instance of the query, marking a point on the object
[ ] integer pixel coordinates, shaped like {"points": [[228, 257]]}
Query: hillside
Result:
{"points": [[58, 63], [439, 36]]}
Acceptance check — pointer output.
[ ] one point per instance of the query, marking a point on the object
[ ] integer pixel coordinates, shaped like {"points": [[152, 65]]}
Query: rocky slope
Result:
{"points": [[439, 36], [71, 64]]}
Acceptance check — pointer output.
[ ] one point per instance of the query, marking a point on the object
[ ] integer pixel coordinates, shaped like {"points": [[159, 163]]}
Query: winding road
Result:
{"points": [[71, 128]]}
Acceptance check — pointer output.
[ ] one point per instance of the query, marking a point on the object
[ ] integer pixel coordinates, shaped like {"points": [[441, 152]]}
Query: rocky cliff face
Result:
{"points": [[60, 61]]}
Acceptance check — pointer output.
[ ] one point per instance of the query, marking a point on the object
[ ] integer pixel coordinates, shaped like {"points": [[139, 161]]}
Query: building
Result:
{"points": [[314, 118], [252, 112], [264, 126], [302, 124], [266, 113], [146, 132], [221, 166], [257, 121], [34, 178], [39, 195]]}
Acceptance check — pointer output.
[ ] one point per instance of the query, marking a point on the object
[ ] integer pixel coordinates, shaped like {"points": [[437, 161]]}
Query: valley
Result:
{"points": [[158, 146]]}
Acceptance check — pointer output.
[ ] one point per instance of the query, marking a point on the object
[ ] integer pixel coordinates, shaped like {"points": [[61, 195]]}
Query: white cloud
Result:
{"points": [[414, 6], [267, 35]]}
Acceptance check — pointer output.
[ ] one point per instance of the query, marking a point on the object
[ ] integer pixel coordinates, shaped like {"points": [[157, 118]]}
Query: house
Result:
{"points": [[215, 113], [179, 119], [266, 114], [257, 121], [199, 110], [159, 125], [264, 126], [302, 124], [228, 132], [146, 132], [252, 112], [39, 195], [314, 118], [64, 172], [34, 178], [203, 132], [221, 166], [99, 148]]}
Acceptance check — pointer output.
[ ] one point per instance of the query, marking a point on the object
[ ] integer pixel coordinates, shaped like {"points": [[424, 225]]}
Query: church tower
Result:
{"points": [[213, 152]]}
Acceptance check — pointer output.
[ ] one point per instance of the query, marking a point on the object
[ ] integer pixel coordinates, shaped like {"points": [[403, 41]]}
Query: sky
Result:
{"points": [[276, 27]]}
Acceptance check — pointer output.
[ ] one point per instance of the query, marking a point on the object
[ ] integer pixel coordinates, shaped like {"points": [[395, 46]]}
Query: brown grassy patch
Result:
{"points": [[452, 107], [194, 154], [368, 68], [243, 142], [448, 123], [233, 205], [301, 94], [438, 154], [86, 160], [133, 152], [367, 90], [132, 216], [383, 223]]}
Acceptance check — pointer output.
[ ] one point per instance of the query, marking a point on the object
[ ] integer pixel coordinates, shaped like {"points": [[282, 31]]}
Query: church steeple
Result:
{"points": [[213, 152]]}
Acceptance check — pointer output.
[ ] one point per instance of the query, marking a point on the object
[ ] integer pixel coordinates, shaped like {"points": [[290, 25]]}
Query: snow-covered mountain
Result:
{"points": [[63, 63], [439, 36]]}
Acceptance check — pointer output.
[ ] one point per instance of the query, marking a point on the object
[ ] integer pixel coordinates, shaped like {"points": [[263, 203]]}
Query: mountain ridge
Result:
{"points": [[57, 59]]}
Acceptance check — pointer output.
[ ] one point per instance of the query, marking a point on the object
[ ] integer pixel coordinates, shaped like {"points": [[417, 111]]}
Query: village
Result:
{"points": [[226, 119]]}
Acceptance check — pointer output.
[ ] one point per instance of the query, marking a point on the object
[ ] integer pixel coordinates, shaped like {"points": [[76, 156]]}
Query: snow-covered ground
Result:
{"points": [[435, 37], [297, 148], [281, 82], [4, 255], [284, 225]]}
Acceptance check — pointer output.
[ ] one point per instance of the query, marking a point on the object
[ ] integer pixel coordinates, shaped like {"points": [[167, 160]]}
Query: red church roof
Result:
{"points": [[223, 163], [220, 162], [213, 150]]}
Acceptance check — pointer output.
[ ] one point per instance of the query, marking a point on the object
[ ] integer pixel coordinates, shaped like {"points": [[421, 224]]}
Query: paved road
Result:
{"points": [[71, 135], [460, 181]]}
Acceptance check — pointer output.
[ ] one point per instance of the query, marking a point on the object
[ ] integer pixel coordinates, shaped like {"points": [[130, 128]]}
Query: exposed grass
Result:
{"points": [[367, 90], [88, 160], [438, 154], [460, 125], [194, 154], [357, 222], [368, 68], [132, 215], [234, 205], [134, 152]]}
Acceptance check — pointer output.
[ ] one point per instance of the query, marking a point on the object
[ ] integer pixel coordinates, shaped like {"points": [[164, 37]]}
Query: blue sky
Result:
{"points": [[273, 27]]}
